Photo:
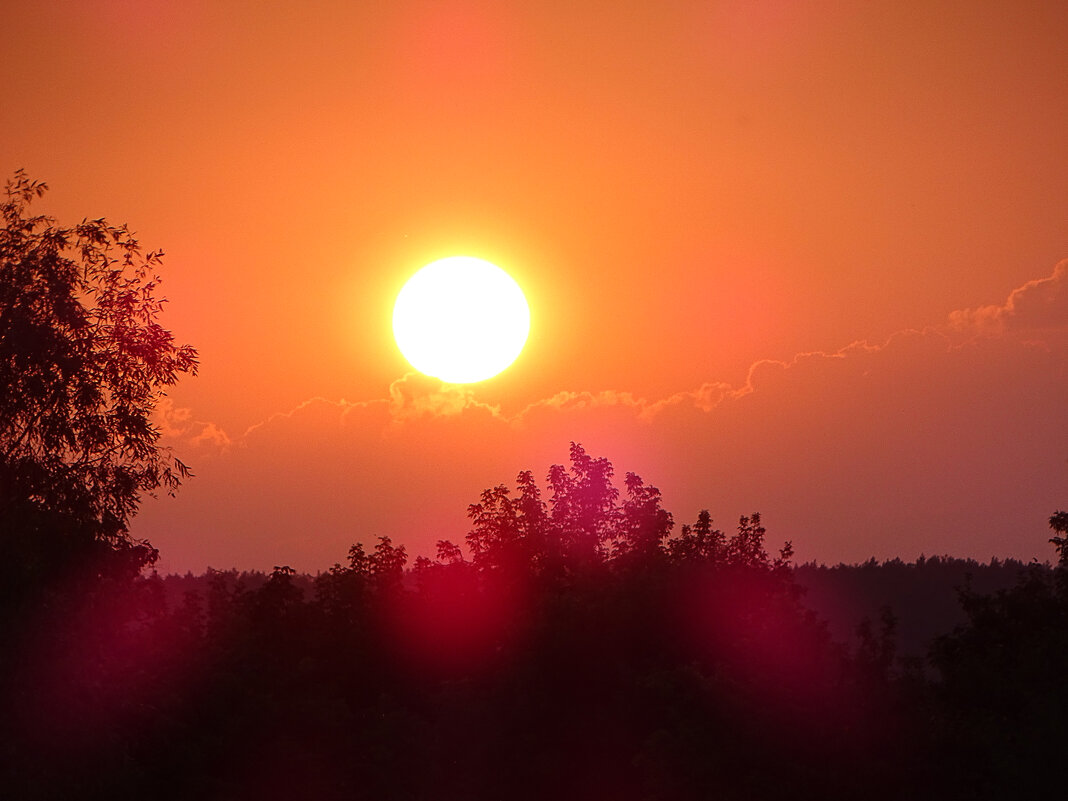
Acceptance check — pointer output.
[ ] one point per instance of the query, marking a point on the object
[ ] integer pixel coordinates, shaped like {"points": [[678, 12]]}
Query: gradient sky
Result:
{"points": [[802, 258]]}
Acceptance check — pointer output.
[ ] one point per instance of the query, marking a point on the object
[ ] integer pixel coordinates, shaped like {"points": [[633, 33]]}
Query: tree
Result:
{"points": [[1058, 521], [583, 525], [83, 364], [575, 530], [644, 523], [386, 565], [584, 513], [1001, 686], [699, 542], [508, 533]]}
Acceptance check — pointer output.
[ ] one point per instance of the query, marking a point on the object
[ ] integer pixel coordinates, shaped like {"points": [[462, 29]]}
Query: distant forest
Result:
{"points": [[923, 597]]}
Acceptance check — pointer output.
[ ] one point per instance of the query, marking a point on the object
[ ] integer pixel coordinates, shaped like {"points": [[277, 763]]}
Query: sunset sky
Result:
{"points": [[803, 258]]}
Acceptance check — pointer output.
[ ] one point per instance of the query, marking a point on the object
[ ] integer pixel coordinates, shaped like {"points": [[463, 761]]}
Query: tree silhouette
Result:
{"points": [[1058, 521], [83, 362], [579, 649], [1001, 688], [583, 508], [507, 533], [583, 525], [644, 523]]}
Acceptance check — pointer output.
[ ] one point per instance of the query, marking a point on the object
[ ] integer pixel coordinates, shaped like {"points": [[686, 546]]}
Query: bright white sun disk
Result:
{"points": [[461, 319]]}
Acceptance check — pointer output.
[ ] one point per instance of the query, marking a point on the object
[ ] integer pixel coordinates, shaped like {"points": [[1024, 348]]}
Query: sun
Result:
{"points": [[461, 319]]}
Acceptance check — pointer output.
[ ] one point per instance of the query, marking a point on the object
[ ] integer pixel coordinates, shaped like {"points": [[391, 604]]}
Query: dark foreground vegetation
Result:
{"points": [[576, 648], [921, 597]]}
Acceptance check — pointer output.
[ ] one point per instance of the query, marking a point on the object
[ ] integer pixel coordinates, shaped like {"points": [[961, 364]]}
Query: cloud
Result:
{"points": [[415, 395], [211, 436], [317, 406], [177, 427], [580, 402], [761, 373], [1039, 305]]}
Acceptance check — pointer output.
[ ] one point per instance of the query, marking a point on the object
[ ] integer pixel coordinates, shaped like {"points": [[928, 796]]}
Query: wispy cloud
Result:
{"points": [[415, 396], [316, 405], [1038, 305], [178, 426]]}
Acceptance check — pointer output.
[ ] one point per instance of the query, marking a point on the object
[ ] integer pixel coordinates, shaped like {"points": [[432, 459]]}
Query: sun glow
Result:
{"points": [[461, 319]]}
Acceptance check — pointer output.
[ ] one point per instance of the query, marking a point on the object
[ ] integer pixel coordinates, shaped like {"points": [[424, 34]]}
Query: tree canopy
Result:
{"points": [[584, 524], [83, 362]]}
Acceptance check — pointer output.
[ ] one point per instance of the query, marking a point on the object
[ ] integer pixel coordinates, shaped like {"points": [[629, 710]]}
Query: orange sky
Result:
{"points": [[770, 250]]}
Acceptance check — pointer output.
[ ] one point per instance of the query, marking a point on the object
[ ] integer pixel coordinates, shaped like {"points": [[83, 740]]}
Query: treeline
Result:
{"points": [[923, 597], [576, 648]]}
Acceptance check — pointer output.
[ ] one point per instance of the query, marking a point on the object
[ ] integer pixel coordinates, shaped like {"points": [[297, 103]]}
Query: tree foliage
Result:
{"points": [[83, 362], [1001, 682], [583, 524], [1058, 521], [577, 650]]}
